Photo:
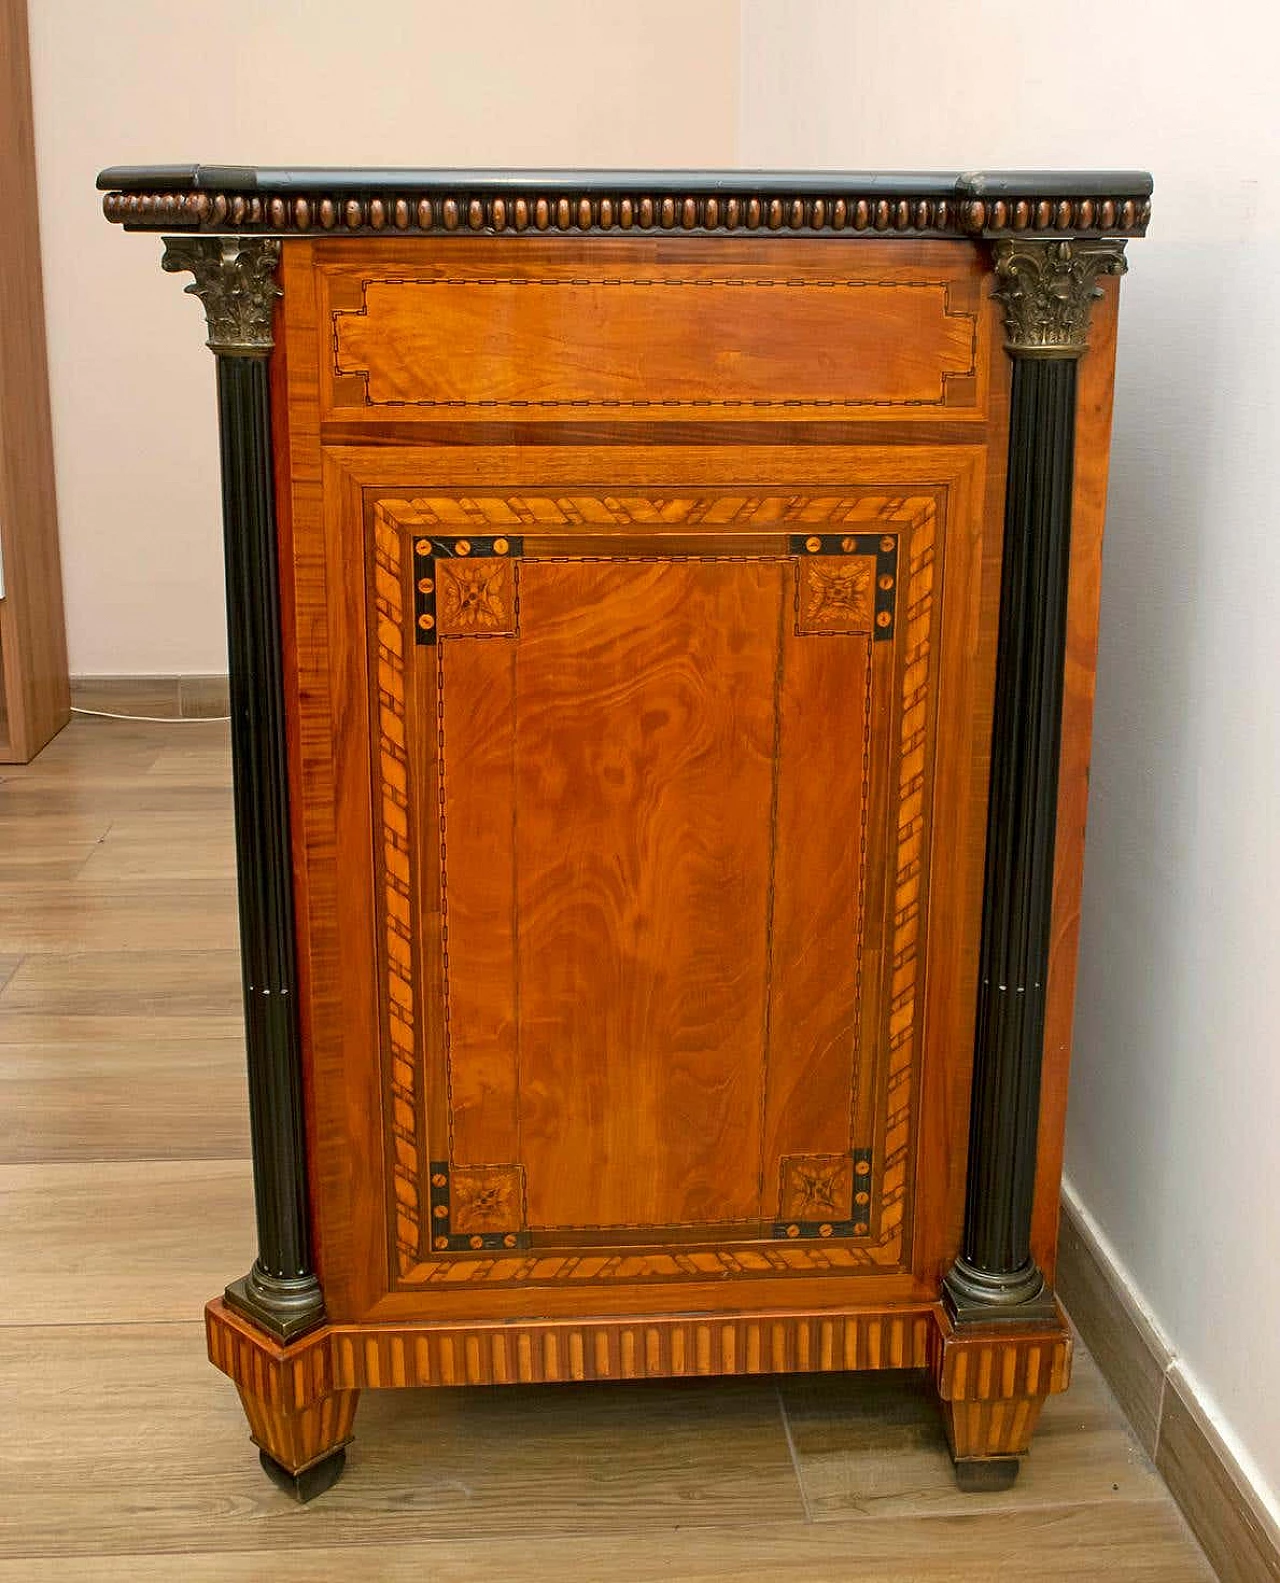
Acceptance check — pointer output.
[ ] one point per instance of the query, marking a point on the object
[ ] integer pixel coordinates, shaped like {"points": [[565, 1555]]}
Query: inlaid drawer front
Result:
{"points": [[652, 775], [652, 341]]}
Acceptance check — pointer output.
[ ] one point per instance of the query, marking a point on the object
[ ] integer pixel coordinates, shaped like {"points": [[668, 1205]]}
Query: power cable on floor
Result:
{"points": [[159, 720]]}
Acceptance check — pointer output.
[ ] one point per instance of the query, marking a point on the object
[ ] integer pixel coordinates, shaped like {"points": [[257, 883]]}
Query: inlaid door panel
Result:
{"points": [[652, 775]]}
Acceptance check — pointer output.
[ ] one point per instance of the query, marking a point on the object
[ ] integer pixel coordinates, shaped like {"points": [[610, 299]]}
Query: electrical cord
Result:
{"points": [[159, 720]]}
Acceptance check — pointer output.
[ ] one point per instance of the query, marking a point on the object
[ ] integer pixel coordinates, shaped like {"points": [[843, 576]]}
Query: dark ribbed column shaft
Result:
{"points": [[1018, 890], [262, 813], [282, 1291]]}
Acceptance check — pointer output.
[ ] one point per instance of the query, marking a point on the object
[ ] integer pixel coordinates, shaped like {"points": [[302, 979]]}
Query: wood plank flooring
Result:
{"points": [[125, 1202]]}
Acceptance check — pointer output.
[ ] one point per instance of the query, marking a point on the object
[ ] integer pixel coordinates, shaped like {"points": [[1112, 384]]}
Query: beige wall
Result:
{"points": [[1175, 1087], [501, 82]]}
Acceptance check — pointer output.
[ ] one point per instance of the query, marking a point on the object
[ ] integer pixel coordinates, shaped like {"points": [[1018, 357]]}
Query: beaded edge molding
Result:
{"points": [[320, 212]]}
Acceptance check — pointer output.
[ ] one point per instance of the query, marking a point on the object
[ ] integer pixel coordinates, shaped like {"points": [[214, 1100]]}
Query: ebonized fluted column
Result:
{"points": [[1046, 289], [235, 279]]}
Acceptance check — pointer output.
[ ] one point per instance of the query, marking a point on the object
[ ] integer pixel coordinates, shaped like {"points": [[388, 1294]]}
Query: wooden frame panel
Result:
{"points": [[896, 782], [530, 330], [352, 1264]]}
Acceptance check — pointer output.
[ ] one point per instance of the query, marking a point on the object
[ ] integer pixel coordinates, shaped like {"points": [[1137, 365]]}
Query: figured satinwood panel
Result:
{"points": [[652, 781], [644, 720], [539, 332]]}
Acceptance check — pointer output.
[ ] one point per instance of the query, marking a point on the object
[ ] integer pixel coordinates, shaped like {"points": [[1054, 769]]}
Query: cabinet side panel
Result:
{"points": [[1088, 510]]}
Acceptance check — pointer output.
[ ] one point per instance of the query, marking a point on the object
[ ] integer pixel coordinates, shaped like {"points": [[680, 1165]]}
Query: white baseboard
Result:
{"points": [[152, 697]]}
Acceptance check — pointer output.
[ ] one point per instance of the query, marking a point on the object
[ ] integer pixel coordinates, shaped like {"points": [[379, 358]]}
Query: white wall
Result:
{"points": [[1175, 1096], [501, 82]]}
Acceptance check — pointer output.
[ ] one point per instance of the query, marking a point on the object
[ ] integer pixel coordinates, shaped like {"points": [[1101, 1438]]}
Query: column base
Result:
{"points": [[974, 1296], [284, 1308]]}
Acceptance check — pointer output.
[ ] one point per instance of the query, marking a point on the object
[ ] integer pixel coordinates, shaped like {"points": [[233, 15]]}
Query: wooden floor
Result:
{"points": [[125, 1203]]}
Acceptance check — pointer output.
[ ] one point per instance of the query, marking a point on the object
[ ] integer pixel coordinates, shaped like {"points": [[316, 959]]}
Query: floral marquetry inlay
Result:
{"points": [[837, 595], [817, 1186], [475, 597], [487, 1198]]}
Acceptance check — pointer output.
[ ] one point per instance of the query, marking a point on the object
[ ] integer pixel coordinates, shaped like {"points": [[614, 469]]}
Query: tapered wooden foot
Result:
{"points": [[992, 1382], [302, 1449], [299, 1416], [987, 1439]]}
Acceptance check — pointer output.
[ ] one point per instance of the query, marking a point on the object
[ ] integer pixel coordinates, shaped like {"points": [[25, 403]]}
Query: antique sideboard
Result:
{"points": [[662, 614]]}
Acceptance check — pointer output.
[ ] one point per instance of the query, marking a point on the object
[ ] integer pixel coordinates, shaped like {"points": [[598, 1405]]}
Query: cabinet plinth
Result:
{"points": [[662, 614]]}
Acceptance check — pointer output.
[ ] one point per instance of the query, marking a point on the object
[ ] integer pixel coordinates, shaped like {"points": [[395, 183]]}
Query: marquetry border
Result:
{"points": [[910, 872], [918, 530], [647, 403], [394, 874], [316, 210]]}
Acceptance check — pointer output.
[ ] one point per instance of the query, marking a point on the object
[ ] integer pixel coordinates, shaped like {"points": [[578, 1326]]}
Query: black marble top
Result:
{"points": [[290, 180]]}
